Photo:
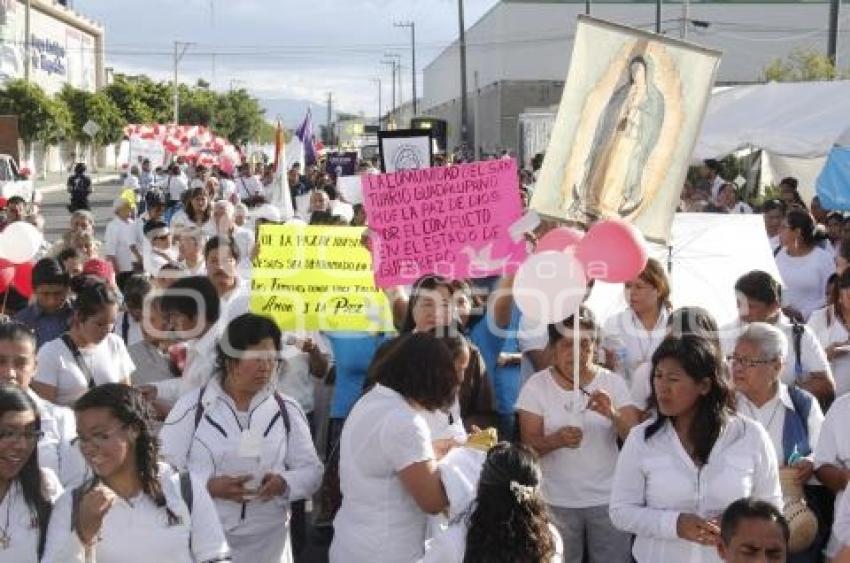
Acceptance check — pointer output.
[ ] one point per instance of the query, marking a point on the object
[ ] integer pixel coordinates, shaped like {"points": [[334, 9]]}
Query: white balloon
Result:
{"points": [[550, 286], [19, 242]]}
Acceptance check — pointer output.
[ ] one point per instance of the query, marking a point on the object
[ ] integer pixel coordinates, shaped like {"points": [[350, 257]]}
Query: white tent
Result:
{"points": [[707, 255], [799, 119], [794, 123]]}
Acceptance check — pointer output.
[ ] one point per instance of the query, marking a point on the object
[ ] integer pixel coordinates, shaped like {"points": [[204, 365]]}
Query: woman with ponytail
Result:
{"points": [[25, 489], [89, 354], [134, 509], [507, 522]]}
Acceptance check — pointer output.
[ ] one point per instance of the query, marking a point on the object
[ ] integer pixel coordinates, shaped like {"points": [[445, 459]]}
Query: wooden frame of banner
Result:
{"points": [[405, 134]]}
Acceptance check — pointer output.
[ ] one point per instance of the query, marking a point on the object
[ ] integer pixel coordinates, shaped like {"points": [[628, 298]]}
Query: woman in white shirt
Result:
{"points": [[388, 470], [507, 521], [135, 509], [678, 472], [25, 490], [576, 433], [803, 265], [831, 326], [630, 337], [197, 213], [89, 354], [249, 444]]}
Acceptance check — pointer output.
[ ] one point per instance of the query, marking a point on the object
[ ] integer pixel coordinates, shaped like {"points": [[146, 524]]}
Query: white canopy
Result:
{"points": [[798, 119], [707, 255]]}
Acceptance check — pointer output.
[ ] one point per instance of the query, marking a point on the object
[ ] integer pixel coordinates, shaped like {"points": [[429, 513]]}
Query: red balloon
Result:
{"points": [[7, 274], [612, 251], [22, 281]]}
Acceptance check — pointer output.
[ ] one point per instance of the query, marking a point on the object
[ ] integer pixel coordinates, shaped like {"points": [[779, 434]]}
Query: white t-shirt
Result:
{"points": [[248, 187], [379, 519], [829, 330], [118, 238], [138, 531], [55, 449], [449, 546], [841, 526], [134, 329], [107, 362], [804, 279], [227, 188], [656, 480], [576, 477], [174, 186], [18, 521], [775, 242], [179, 220], [834, 449], [624, 335], [741, 208]]}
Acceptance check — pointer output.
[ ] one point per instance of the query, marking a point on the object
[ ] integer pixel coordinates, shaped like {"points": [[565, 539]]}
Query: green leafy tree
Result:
{"points": [[125, 94], [97, 107], [239, 116], [40, 118], [803, 65]]}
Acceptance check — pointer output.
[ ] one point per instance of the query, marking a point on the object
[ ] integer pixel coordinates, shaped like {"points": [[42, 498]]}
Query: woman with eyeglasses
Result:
{"points": [[134, 509], [575, 433], [89, 354], [247, 442], [678, 471], [26, 491]]}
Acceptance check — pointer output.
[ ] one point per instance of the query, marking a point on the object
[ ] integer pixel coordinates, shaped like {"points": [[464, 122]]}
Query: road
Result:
{"points": [[55, 210]]}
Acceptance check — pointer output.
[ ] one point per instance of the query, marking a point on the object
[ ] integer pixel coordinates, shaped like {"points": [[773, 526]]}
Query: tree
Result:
{"points": [[77, 102], [126, 96], [40, 119], [239, 117], [802, 65], [97, 107]]}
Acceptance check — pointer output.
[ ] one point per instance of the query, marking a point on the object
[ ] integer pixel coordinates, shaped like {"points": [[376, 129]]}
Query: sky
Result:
{"points": [[299, 49]]}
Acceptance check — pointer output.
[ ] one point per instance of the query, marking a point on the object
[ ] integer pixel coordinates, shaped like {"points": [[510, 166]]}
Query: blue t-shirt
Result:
{"points": [[353, 353], [492, 341]]}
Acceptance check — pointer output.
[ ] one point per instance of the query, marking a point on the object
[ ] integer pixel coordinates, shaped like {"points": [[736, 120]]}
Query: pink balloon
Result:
{"points": [[612, 251], [559, 239], [550, 286]]}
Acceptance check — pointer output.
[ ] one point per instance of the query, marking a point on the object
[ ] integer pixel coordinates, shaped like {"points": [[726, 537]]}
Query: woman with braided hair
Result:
{"points": [[507, 522], [134, 509]]}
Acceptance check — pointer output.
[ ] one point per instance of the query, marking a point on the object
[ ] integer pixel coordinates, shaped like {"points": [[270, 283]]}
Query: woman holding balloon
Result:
{"points": [[574, 426], [631, 337]]}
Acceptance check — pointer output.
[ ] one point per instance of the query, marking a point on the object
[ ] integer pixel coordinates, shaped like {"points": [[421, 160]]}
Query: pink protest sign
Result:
{"points": [[451, 221]]}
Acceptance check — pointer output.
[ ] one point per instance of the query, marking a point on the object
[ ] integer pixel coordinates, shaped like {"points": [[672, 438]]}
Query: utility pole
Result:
{"points": [[179, 50], [392, 64], [686, 8], [397, 59], [27, 40], [462, 47], [477, 118], [380, 109], [330, 138], [832, 41], [587, 7], [412, 26], [658, 17]]}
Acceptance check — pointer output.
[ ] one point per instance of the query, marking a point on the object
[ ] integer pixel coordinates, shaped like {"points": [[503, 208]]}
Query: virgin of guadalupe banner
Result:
{"points": [[630, 115]]}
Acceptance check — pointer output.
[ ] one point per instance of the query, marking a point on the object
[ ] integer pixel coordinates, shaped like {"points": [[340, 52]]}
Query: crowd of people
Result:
{"points": [[147, 415]]}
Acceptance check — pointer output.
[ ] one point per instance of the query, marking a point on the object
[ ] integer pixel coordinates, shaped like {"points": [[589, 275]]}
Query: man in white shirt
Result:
{"points": [[806, 365], [753, 530], [711, 174], [119, 239], [223, 223], [174, 186], [249, 188]]}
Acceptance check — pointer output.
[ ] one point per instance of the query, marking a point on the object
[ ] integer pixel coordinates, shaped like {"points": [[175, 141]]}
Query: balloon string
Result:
{"points": [[576, 374]]}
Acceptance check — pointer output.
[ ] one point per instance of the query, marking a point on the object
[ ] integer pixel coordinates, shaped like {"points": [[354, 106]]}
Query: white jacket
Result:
{"points": [[212, 450], [55, 450]]}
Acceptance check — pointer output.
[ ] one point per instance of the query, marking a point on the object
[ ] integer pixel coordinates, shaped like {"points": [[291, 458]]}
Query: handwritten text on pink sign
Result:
{"points": [[451, 221]]}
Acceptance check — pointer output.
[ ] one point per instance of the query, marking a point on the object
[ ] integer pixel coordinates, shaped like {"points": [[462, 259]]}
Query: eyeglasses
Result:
{"points": [[29, 436], [97, 439], [747, 362]]}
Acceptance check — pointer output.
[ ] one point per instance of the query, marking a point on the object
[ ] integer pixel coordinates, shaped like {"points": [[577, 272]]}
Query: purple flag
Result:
{"points": [[307, 138]]}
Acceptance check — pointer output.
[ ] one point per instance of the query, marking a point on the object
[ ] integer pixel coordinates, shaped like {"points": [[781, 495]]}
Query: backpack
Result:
{"points": [[282, 413]]}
